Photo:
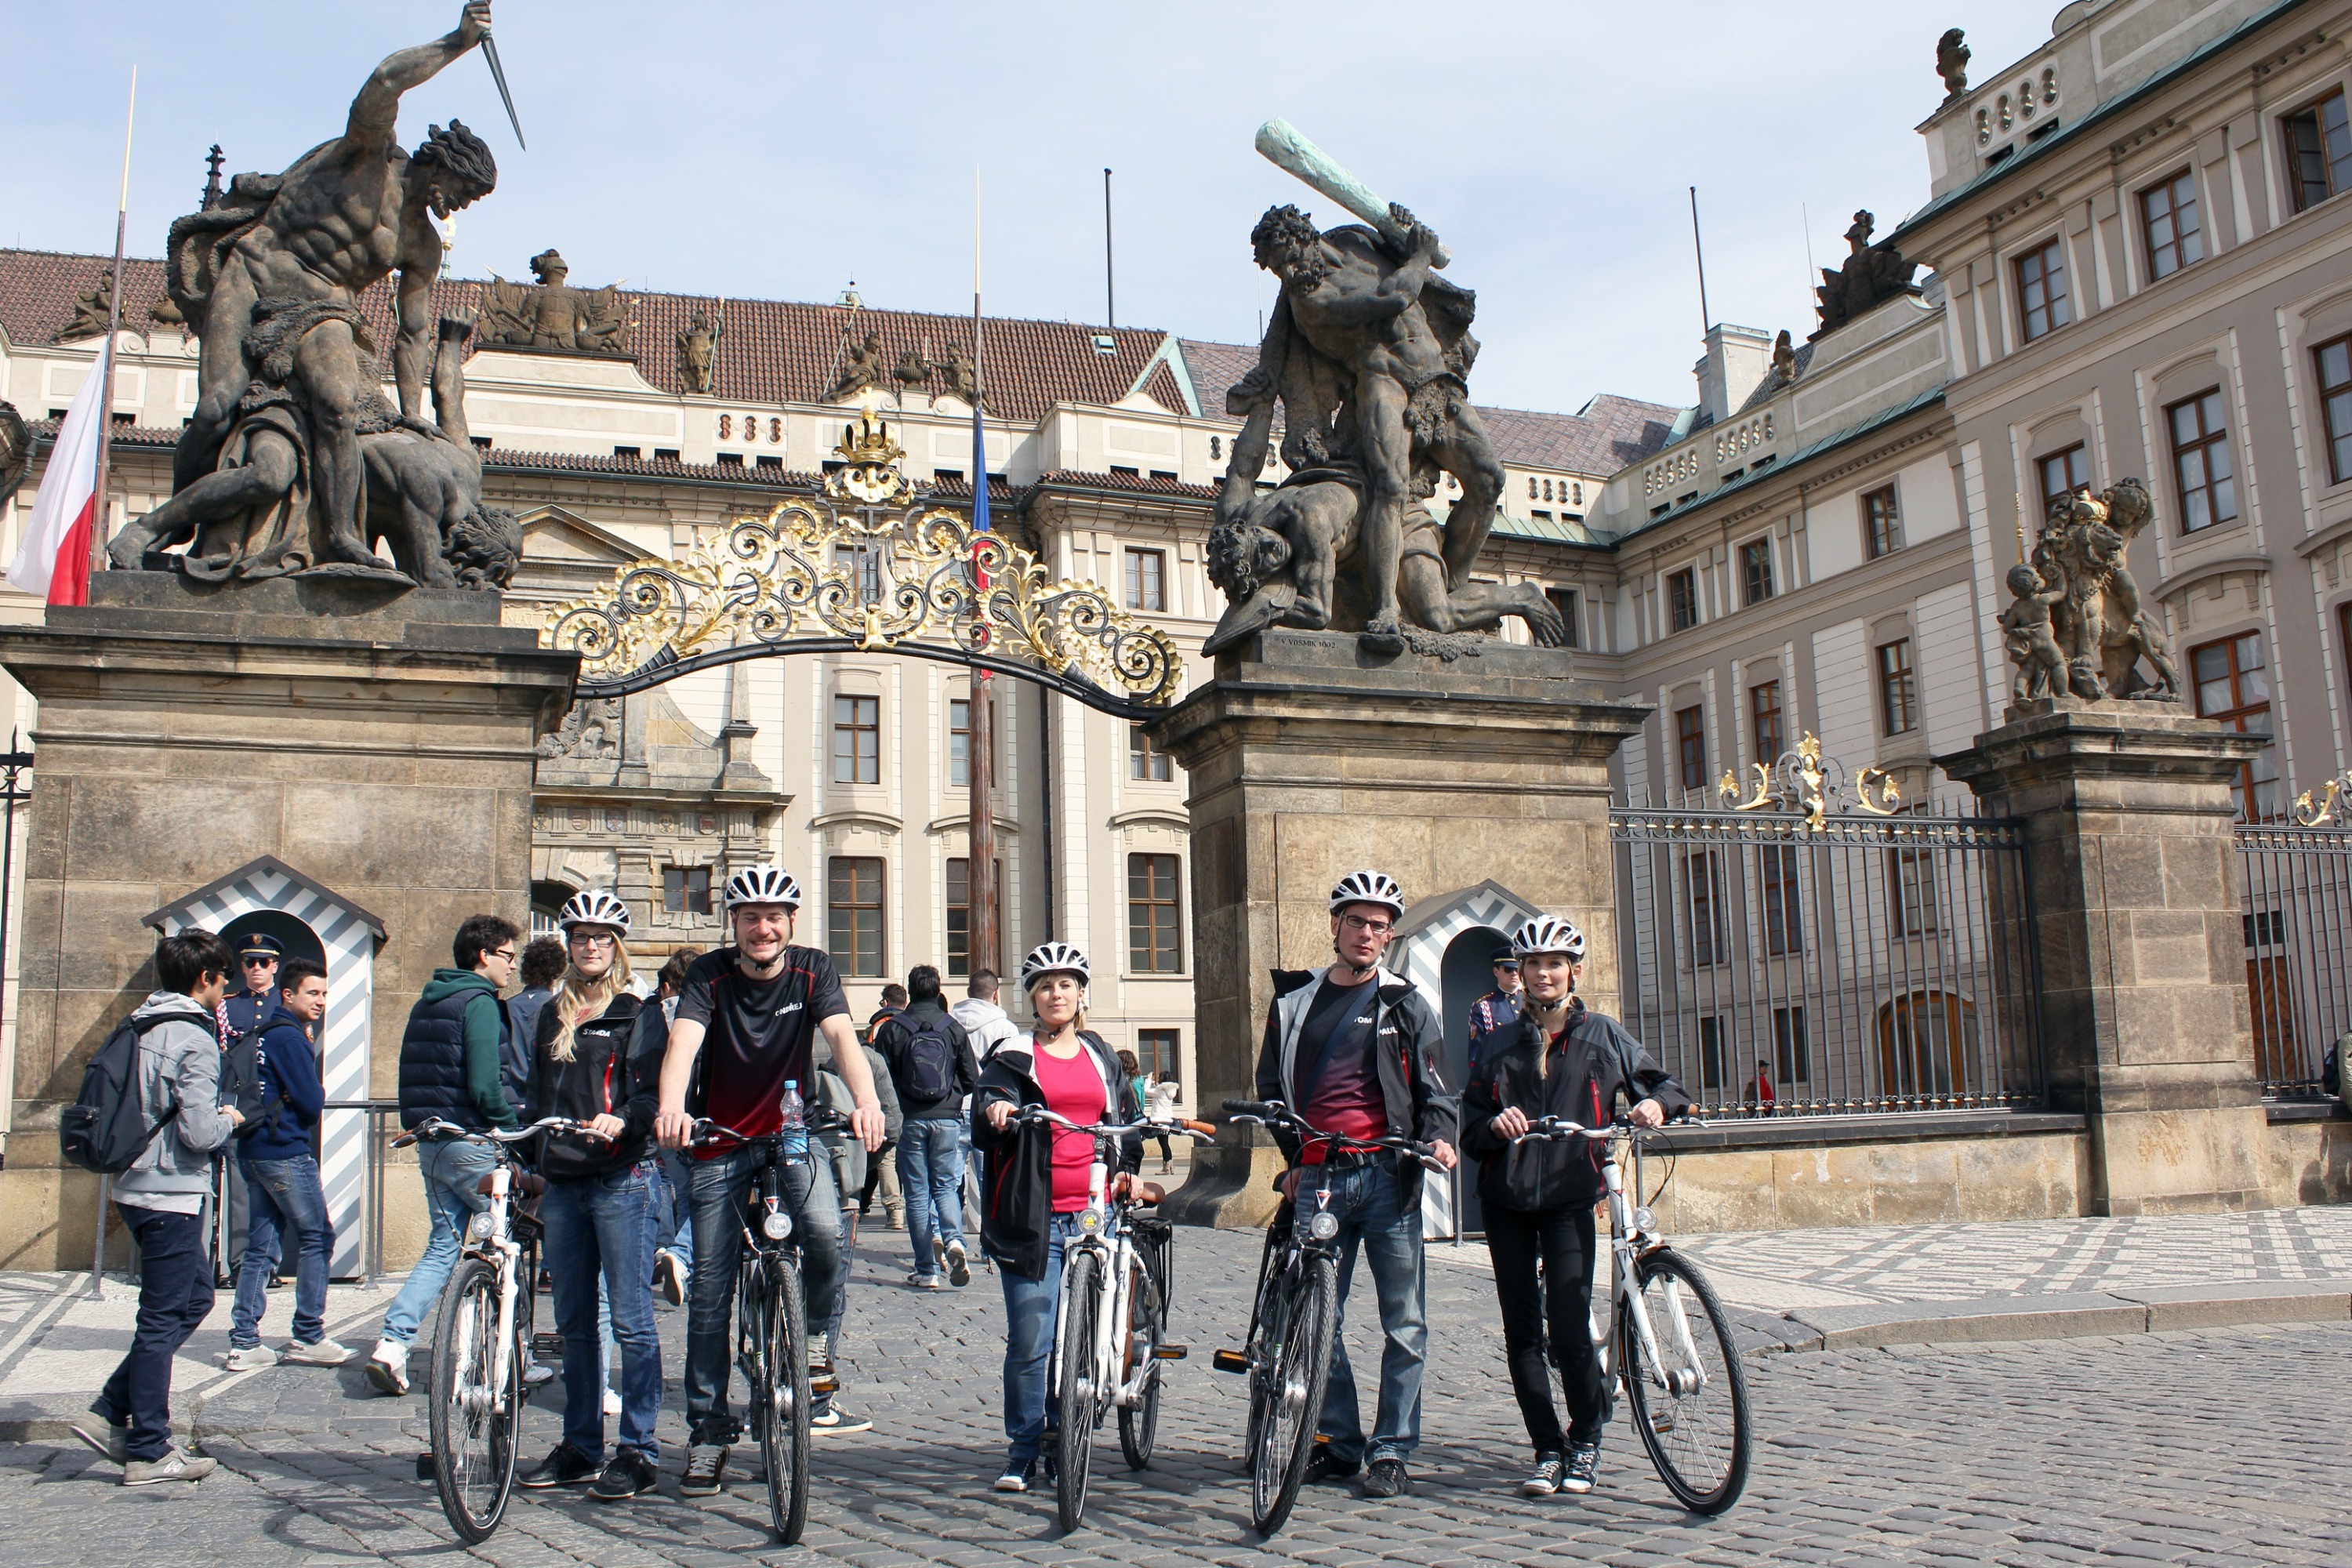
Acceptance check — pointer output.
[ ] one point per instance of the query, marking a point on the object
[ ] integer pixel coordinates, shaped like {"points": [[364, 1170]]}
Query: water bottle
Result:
{"points": [[795, 1119]]}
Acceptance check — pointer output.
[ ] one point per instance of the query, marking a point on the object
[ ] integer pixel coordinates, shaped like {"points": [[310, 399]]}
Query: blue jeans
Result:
{"points": [[931, 1170], [716, 1190], [1373, 1216], [283, 1195], [175, 1291], [674, 1211], [451, 1168], [596, 1232], [1029, 1308]]}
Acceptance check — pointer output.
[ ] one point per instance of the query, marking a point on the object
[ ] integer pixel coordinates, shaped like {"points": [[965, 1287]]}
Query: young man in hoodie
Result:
{"points": [[283, 1193], [161, 1198], [985, 1027], [931, 1067], [450, 1059]]}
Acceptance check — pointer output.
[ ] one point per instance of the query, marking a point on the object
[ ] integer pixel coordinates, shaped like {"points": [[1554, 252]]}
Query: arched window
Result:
{"points": [[1927, 1046]]}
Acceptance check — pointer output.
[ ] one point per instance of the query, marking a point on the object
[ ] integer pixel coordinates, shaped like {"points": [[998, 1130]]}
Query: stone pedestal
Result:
{"points": [[1305, 761], [2137, 921], [379, 742]]}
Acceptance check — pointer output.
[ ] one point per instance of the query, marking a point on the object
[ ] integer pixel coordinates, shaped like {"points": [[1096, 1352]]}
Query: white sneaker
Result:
{"points": [[249, 1358], [612, 1402], [536, 1373], [325, 1353], [387, 1367]]}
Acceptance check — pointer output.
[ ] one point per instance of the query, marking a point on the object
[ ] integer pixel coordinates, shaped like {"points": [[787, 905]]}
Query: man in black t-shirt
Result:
{"points": [[748, 1017]]}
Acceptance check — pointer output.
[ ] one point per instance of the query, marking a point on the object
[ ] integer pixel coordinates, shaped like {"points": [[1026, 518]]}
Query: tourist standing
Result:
{"points": [[542, 964], [985, 1027], [673, 1219], [256, 997], [932, 1068], [1160, 1105]]}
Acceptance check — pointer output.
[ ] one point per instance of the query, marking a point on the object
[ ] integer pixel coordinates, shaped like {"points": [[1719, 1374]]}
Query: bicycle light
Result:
{"points": [[1090, 1219], [1645, 1220], [776, 1224], [1322, 1226], [480, 1225]]}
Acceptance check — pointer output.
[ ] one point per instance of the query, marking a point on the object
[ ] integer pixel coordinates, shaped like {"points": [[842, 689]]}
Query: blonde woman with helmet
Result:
{"points": [[1559, 1059]]}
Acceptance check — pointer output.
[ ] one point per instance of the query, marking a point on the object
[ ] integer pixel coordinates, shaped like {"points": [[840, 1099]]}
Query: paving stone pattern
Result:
{"points": [[2215, 1447]]}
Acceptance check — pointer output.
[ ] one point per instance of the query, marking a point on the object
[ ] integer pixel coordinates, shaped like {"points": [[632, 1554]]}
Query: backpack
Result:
{"points": [[240, 1083], [931, 1059], [103, 1130]]}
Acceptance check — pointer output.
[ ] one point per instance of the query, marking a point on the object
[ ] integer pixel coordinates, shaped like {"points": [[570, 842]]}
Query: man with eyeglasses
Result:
{"points": [[1499, 1008], [1356, 1053], [257, 958]]}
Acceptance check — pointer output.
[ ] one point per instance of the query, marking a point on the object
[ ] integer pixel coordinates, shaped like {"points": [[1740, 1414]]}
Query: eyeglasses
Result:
{"points": [[503, 954], [592, 939], [1376, 928], [261, 963]]}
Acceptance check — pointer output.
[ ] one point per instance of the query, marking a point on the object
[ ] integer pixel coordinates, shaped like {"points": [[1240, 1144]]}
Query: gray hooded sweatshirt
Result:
{"points": [[179, 1064]]}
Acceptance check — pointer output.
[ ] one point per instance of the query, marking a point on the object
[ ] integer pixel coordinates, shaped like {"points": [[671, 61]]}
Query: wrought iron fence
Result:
{"points": [[2294, 882], [1812, 961]]}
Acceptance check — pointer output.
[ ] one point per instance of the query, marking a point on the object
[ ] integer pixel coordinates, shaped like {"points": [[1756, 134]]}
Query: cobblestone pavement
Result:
{"points": [[2215, 1447]]}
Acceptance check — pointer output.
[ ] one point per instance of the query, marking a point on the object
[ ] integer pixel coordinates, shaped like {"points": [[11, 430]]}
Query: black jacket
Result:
{"points": [[1408, 1042], [1016, 1196], [613, 1070], [898, 1033], [1597, 1062]]}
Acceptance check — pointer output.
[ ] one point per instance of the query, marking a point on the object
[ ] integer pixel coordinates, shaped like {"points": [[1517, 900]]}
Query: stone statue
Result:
{"points": [[960, 375], [590, 731], [553, 314], [697, 350], [2075, 626], [92, 308], [1784, 359], [16, 450], [1872, 275], [913, 369], [165, 313], [1952, 63], [270, 277], [862, 367], [1368, 355]]}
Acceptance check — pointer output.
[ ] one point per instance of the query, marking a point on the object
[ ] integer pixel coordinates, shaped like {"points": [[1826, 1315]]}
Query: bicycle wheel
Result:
{"points": [[1691, 1411], [474, 1414], [1138, 1425], [1080, 1400], [1291, 1391], [784, 1423]]}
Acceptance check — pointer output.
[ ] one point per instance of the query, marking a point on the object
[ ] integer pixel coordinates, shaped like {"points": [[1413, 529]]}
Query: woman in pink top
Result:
{"points": [[1035, 1179]]}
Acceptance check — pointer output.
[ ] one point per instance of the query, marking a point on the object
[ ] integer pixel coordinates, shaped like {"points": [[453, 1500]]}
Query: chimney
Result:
{"points": [[1737, 360]]}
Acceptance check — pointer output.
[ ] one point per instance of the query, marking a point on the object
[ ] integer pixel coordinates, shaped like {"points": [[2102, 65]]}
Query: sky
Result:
{"points": [[784, 150]]}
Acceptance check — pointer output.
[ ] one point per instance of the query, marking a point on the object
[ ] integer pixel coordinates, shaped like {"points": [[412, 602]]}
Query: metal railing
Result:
{"points": [[2295, 893], [383, 1127]]}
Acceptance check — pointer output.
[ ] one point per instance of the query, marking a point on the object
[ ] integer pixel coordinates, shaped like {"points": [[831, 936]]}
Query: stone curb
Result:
{"points": [[1996, 1318]]}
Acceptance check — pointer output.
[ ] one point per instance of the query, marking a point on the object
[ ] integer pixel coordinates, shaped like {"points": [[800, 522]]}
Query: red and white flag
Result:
{"points": [[53, 558]]}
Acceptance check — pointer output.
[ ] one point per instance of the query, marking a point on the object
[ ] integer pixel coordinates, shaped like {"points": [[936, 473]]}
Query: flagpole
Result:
{"points": [[979, 878], [102, 513]]}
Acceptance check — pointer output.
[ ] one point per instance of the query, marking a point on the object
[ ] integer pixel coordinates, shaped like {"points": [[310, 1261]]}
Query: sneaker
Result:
{"points": [[537, 1374], [959, 1265], [174, 1466], [1583, 1461], [110, 1441], [387, 1367], [564, 1466], [923, 1282], [612, 1402], [668, 1278], [1019, 1475], [1387, 1479], [324, 1352], [1546, 1480], [1324, 1468], [629, 1473], [425, 1468], [249, 1358], [836, 1421], [705, 1463]]}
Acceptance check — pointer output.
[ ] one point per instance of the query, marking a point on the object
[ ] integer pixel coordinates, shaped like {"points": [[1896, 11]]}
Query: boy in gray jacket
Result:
{"points": [[162, 1198]]}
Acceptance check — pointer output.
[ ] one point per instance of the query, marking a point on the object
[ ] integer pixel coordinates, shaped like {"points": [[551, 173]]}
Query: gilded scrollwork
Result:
{"points": [[1806, 782], [2330, 807]]}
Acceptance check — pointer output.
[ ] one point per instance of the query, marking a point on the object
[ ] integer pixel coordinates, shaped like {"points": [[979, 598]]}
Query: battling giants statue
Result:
{"points": [[294, 461], [2074, 627]]}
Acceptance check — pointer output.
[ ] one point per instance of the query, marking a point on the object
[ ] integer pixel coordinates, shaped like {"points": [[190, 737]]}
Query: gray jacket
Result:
{"points": [[179, 1064], [985, 1025]]}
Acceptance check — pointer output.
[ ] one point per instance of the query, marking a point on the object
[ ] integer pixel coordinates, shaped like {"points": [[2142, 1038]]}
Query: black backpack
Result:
{"points": [[240, 1082], [103, 1130], [931, 1059]]}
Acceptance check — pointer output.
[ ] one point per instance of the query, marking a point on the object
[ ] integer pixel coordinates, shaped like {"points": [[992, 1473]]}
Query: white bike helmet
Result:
{"points": [[1548, 933], [764, 884], [1054, 958], [596, 907], [1367, 887]]}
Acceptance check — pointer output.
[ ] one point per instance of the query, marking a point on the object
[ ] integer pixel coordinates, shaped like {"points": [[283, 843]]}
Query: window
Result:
{"points": [[1564, 600], [1898, 691], [1169, 474], [960, 744], [856, 740], [1791, 1051], [1882, 522], [2234, 685], [765, 461], [2318, 152], [665, 454], [1154, 945], [1146, 580], [2200, 461], [730, 459], [1682, 599], [685, 889], [1764, 719], [1784, 926], [1703, 894], [2334, 362], [628, 451], [2062, 473], [2041, 289], [1756, 569], [853, 912], [1711, 1032], [2168, 216], [1156, 1051], [1145, 761], [959, 905], [1911, 892], [1129, 472], [1690, 746]]}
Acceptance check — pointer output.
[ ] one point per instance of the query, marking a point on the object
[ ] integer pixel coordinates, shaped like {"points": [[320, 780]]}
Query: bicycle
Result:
{"points": [[1117, 1271], [1287, 1352], [481, 1343], [1650, 1283]]}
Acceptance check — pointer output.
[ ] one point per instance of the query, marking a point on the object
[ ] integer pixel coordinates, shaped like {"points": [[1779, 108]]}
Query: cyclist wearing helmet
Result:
{"points": [[1038, 1178], [1351, 1051], [1560, 1059], [748, 1017], [599, 1190]]}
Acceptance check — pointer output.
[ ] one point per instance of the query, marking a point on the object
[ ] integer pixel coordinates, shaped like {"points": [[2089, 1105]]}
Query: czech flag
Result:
{"points": [[53, 559]]}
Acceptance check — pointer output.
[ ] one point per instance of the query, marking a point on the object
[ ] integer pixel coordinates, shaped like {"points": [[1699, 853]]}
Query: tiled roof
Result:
{"points": [[37, 290], [1139, 483], [1215, 367], [1770, 387]]}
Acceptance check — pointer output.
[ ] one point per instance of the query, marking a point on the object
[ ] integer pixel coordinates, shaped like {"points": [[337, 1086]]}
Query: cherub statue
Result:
{"points": [[2025, 631], [1952, 63], [862, 367]]}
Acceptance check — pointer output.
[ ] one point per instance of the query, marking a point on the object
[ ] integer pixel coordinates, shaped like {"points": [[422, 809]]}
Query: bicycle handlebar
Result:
{"points": [[1147, 1129], [1272, 1112], [1555, 1129], [434, 1126], [819, 1121]]}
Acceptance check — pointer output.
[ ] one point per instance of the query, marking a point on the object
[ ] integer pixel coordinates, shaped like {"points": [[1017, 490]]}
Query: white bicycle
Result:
{"points": [[1668, 1342]]}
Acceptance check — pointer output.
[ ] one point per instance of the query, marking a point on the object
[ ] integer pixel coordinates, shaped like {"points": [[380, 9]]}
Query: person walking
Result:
{"points": [[542, 966], [1352, 1051], [1160, 1105], [1560, 1059], [283, 1195], [850, 1163], [451, 1067], [932, 1068], [894, 1001], [985, 1027], [160, 1200], [673, 1220], [591, 1065], [1498, 1009], [1041, 1180]]}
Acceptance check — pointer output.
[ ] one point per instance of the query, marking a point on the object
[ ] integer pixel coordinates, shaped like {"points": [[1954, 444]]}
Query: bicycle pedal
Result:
{"points": [[823, 1380], [547, 1345], [1171, 1353], [1230, 1361]]}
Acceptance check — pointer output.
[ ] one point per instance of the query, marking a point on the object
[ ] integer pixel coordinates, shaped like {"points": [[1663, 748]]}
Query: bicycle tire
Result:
{"points": [[1707, 1474], [474, 1425], [1080, 1400], [1139, 1425], [784, 1435], [752, 1342], [1292, 1387]]}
